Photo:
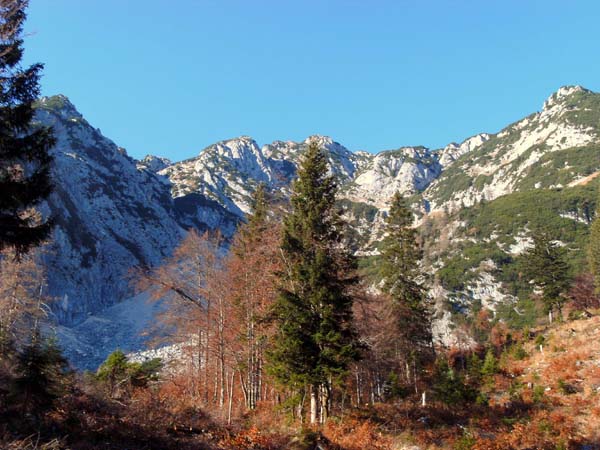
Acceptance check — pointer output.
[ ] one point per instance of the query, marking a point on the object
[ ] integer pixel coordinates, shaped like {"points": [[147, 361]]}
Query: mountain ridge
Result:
{"points": [[119, 212]]}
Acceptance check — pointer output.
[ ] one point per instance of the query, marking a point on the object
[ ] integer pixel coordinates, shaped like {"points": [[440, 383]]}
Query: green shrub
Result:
{"points": [[449, 386], [490, 365], [118, 372], [538, 394], [540, 340], [515, 389], [466, 442], [518, 352], [474, 366]]}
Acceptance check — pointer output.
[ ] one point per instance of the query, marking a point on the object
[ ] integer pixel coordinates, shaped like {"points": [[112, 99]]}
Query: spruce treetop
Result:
{"points": [[24, 151], [313, 197]]}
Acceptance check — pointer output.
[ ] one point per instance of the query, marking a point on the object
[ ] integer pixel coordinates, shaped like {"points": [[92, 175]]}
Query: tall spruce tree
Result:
{"points": [[400, 270], [24, 152], [594, 248], [315, 340], [547, 267]]}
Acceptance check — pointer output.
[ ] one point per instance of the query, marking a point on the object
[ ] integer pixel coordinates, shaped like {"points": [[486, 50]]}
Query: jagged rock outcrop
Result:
{"points": [[153, 163], [453, 151], [229, 171], [408, 170]]}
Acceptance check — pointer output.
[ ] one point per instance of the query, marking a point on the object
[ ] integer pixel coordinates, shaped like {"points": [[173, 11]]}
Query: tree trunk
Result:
{"points": [[230, 399], [300, 409], [223, 381], [325, 400], [415, 375], [314, 403], [198, 389], [259, 384], [222, 375], [207, 353], [358, 390], [244, 388]]}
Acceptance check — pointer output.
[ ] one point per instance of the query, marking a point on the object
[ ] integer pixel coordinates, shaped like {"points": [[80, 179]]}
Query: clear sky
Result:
{"points": [[171, 77]]}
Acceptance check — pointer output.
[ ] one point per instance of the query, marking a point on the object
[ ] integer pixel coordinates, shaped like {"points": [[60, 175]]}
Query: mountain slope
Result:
{"points": [[550, 148], [111, 214]]}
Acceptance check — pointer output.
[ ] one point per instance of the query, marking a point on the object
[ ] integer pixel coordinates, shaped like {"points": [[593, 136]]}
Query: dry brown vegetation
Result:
{"points": [[547, 399]]}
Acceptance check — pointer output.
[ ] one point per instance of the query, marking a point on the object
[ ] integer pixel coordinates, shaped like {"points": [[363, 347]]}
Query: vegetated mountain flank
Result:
{"points": [[548, 149], [540, 175], [476, 201]]}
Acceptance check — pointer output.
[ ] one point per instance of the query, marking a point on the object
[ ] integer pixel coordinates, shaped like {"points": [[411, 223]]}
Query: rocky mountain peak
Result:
{"points": [[61, 105], [321, 140], [238, 148], [563, 93], [406, 152], [328, 143]]}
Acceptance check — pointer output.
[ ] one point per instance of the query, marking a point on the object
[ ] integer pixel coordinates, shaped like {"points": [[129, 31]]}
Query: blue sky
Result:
{"points": [[171, 77]]}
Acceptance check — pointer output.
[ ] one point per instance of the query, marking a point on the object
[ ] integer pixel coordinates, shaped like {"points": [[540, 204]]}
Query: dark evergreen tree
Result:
{"points": [[489, 368], [315, 339], [594, 249], [260, 206], [40, 374], [474, 367], [400, 270], [114, 370], [401, 255], [547, 267], [449, 385], [24, 151]]}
